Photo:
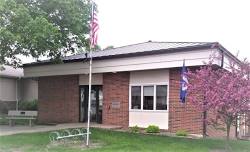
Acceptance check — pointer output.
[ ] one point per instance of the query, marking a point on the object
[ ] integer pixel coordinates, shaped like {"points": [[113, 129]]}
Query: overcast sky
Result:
{"points": [[124, 22]]}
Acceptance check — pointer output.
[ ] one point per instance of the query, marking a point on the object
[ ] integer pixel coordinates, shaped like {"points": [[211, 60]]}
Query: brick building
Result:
{"points": [[132, 85]]}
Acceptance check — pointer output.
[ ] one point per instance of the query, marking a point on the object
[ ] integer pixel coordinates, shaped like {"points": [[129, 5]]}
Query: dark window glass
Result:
{"points": [[136, 97], [148, 97], [161, 97]]}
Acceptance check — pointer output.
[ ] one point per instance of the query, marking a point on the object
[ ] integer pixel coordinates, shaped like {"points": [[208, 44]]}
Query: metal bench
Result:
{"points": [[67, 133], [21, 115]]}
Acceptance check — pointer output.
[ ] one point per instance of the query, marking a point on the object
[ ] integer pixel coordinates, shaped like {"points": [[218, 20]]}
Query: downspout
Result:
{"points": [[222, 59]]}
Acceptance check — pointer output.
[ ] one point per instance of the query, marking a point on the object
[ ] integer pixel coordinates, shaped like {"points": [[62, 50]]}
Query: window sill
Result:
{"points": [[155, 111]]}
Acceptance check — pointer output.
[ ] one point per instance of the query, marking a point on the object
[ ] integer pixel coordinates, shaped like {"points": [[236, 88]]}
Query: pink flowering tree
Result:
{"points": [[225, 93]]}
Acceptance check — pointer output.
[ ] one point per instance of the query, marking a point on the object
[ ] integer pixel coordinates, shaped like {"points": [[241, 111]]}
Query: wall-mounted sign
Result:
{"points": [[115, 105]]}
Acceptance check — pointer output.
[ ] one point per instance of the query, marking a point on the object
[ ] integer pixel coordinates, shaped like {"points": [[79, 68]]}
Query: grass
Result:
{"points": [[120, 142]]}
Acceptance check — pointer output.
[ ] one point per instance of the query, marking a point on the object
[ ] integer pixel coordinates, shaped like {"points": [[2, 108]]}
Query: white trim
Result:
{"points": [[148, 84], [154, 100], [129, 94], [168, 97], [156, 111]]}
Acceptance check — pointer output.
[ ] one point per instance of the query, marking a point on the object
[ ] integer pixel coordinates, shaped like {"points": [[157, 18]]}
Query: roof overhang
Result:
{"points": [[85, 56], [196, 55]]}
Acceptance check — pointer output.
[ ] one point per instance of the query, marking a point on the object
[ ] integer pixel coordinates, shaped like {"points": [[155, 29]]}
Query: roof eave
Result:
{"points": [[153, 52], [223, 49]]}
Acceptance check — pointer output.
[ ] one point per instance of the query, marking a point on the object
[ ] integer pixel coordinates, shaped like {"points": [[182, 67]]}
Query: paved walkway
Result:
{"points": [[7, 130]]}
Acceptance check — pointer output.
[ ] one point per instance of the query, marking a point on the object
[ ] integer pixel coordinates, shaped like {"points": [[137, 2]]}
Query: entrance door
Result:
{"points": [[96, 103]]}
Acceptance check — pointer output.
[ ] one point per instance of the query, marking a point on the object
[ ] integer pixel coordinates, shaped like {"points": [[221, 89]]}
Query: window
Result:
{"points": [[148, 97], [161, 97], [136, 97]]}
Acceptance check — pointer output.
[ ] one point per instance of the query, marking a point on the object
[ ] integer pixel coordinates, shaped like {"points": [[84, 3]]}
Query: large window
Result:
{"points": [[149, 97], [136, 97]]}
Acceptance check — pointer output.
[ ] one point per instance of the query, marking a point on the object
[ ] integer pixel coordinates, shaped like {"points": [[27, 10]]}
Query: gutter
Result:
{"points": [[222, 58]]}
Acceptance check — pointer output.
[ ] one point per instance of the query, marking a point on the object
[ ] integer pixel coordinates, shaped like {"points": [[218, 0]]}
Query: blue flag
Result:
{"points": [[184, 83]]}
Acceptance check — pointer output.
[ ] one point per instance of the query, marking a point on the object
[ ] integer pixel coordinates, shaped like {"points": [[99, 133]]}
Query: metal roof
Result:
{"points": [[138, 48], [145, 48]]}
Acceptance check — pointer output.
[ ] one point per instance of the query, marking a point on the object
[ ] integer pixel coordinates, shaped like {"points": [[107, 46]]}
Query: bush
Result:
{"points": [[135, 129], [28, 105], [181, 133], [152, 129]]}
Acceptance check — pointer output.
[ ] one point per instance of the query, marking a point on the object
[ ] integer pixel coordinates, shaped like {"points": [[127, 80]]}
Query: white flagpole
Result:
{"points": [[90, 81], [89, 101]]}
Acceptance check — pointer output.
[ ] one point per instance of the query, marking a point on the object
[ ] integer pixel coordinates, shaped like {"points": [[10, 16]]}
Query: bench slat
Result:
{"points": [[22, 113], [21, 118]]}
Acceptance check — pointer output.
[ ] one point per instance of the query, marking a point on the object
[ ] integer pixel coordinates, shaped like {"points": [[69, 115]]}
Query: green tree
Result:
{"points": [[38, 28]]}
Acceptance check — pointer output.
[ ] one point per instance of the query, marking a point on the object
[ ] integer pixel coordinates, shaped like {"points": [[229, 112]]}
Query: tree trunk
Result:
{"points": [[228, 130], [204, 124], [236, 128]]}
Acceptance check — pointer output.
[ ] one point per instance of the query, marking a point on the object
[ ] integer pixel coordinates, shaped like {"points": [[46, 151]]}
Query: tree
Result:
{"points": [[38, 28], [225, 93]]}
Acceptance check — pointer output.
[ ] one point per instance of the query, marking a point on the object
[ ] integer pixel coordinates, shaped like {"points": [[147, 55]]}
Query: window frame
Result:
{"points": [[130, 97], [153, 96], [156, 96], [142, 97]]}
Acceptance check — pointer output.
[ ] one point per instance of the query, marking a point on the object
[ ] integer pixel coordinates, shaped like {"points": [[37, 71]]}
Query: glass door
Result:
{"points": [[96, 104]]}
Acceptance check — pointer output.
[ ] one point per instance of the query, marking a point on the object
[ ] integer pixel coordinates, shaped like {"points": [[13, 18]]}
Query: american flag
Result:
{"points": [[94, 26]]}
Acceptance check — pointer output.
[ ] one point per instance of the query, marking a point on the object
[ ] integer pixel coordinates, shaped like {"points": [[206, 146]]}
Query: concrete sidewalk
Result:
{"points": [[7, 130]]}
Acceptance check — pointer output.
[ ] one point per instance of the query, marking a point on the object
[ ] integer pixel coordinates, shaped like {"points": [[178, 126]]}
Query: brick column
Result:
{"points": [[181, 116], [116, 90], [58, 99]]}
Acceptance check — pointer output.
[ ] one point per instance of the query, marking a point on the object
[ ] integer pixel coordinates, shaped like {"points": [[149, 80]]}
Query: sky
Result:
{"points": [[124, 22]]}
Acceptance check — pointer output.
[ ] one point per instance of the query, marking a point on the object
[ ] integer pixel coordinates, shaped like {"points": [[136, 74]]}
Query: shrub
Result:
{"points": [[181, 133], [152, 129], [28, 105], [135, 129]]}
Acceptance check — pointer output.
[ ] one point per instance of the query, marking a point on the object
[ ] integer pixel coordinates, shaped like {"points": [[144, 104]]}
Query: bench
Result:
{"points": [[21, 115], [67, 133]]}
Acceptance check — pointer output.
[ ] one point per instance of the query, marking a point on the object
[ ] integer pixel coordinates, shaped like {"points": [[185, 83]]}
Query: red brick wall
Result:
{"points": [[186, 116], [58, 99], [181, 116], [116, 89]]}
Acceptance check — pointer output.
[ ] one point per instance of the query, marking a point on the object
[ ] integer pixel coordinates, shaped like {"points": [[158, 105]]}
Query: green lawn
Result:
{"points": [[120, 142]]}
